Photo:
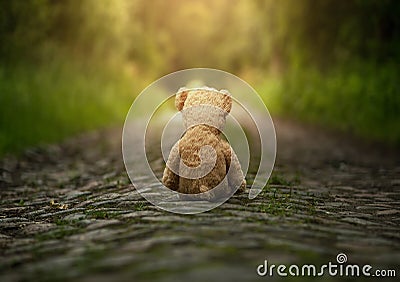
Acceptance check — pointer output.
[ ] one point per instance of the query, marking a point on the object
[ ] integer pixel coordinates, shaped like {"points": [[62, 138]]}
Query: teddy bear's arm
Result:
{"points": [[235, 176], [170, 179]]}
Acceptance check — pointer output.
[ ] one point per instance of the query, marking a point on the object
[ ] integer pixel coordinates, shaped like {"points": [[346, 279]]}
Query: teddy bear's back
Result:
{"points": [[189, 151]]}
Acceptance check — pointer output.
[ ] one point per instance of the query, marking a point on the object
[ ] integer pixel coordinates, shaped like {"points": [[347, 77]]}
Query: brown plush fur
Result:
{"points": [[211, 107]]}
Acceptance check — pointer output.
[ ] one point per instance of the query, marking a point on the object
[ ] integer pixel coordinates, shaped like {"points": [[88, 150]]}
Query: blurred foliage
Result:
{"points": [[51, 102], [69, 65], [325, 33]]}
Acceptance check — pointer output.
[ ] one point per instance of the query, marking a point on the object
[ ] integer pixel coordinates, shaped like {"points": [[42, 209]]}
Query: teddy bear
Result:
{"points": [[202, 162]]}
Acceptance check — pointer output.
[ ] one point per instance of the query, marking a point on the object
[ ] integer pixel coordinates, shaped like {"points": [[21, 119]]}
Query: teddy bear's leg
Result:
{"points": [[242, 186], [233, 168], [171, 179], [208, 196]]}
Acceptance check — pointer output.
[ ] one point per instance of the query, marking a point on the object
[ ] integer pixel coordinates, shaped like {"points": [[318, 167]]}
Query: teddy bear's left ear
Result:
{"points": [[227, 101], [180, 99]]}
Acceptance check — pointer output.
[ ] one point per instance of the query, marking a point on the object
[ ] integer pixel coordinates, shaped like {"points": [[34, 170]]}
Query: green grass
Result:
{"points": [[48, 102], [99, 214], [279, 179], [277, 202], [56, 234], [360, 98], [140, 206], [282, 203]]}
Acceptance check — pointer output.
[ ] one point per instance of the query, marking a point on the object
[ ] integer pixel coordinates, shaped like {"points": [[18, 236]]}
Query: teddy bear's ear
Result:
{"points": [[180, 99], [227, 101]]}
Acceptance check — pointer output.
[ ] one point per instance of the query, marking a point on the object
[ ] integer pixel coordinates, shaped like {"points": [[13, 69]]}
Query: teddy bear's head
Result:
{"points": [[204, 106]]}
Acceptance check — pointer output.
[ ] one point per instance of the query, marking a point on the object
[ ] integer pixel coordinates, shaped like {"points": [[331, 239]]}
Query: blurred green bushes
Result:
{"points": [[362, 99], [46, 103], [68, 66], [338, 64]]}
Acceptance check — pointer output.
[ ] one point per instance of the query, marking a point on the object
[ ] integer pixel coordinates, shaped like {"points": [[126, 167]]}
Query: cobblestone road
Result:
{"points": [[68, 212]]}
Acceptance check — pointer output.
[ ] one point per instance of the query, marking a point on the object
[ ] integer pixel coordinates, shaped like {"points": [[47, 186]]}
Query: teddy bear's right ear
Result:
{"points": [[180, 99]]}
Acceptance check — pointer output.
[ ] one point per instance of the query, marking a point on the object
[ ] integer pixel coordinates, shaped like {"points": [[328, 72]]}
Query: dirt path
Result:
{"points": [[69, 212]]}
